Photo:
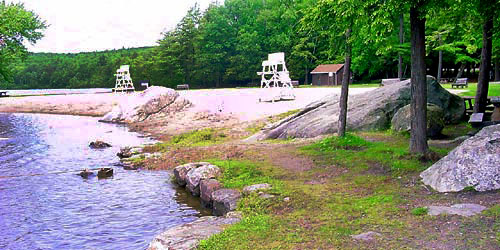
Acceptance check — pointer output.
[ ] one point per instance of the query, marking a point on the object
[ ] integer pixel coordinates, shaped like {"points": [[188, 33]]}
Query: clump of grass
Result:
{"points": [[282, 116], [198, 138], [241, 173], [419, 211], [347, 142]]}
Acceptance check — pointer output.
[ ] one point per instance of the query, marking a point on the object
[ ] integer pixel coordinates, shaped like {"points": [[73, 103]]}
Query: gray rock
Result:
{"points": [[140, 106], [457, 209], [127, 152], [99, 144], [266, 196], [225, 200], [475, 163], [401, 122], [195, 175], [368, 236], [369, 111], [180, 172], [207, 187], [188, 236], [256, 187]]}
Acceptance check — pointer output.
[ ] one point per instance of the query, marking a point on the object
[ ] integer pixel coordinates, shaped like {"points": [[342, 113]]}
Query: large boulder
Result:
{"points": [[401, 122], [189, 235], [195, 175], [180, 172], [475, 163], [225, 200], [372, 110], [140, 106]]}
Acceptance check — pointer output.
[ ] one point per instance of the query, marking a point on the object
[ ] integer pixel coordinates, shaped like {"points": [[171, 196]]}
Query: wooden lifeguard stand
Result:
{"points": [[123, 80], [275, 79]]}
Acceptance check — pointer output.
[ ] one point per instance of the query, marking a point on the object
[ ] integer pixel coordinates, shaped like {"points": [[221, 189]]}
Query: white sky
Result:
{"points": [[94, 25]]}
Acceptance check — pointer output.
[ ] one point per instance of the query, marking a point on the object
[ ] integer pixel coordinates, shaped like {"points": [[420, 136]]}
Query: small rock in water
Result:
{"points": [[86, 173], [105, 172], [99, 144]]}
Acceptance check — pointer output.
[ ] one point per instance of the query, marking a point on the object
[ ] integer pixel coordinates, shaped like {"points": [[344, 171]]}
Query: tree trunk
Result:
{"points": [[345, 85], [484, 69], [460, 71], [440, 61], [401, 41], [306, 78], [497, 70], [418, 110]]}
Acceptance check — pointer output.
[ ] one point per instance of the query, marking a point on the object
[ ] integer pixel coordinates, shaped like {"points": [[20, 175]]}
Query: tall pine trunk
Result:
{"points": [[497, 70], [418, 110], [345, 85], [484, 68], [460, 71], [401, 41], [440, 61]]}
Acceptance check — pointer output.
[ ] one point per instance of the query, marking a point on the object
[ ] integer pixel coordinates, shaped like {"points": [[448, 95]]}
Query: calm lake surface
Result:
{"points": [[43, 209]]}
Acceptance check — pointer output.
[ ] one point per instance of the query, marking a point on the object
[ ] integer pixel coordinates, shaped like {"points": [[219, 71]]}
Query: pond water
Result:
{"points": [[44, 204]]}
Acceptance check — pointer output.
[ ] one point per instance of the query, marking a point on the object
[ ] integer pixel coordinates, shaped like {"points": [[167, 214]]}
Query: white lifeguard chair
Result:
{"points": [[123, 80], [275, 79]]}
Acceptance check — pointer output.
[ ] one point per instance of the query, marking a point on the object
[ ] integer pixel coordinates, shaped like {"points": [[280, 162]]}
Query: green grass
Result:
{"points": [[493, 89], [202, 137], [240, 173], [419, 211], [356, 153]]}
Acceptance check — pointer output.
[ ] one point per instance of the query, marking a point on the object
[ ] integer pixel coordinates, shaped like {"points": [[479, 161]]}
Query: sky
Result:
{"points": [[95, 25]]}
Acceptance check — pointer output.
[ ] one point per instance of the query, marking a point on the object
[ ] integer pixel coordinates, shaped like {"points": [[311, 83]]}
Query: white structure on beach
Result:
{"points": [[275, 79], [123, 80]]}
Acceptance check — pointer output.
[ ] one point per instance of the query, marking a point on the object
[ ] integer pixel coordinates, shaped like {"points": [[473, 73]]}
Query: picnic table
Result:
{"points": [[460, 82], [183, 86], [469, 106], [495, 100]]}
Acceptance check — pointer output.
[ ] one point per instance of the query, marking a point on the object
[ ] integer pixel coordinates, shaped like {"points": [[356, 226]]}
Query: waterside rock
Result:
{"points": [[369, 111], [207, 187], [225, 200], [195, 175], [188, 236], [105, 172], [475, 163], [127, 152], [86, 173], [99, 144], [140, 106], [180, 172], [401, 122]]}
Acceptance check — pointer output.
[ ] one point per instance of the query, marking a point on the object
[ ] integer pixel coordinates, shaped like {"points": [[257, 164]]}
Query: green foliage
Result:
{"points": [[17, 26], [419, 211]]}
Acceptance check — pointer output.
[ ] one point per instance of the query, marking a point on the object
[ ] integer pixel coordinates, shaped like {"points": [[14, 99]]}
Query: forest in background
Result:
{"points": [[224, 46]]}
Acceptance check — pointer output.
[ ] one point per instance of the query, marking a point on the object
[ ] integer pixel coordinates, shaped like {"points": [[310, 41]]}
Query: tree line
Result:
{"points": [[225, 45]]}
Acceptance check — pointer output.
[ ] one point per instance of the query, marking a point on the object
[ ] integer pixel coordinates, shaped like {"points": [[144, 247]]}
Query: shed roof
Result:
{"points": [[327, 68]]}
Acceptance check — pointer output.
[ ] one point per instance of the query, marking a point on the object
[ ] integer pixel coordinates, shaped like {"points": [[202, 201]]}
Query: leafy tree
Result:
{"points": [[17, 25]]}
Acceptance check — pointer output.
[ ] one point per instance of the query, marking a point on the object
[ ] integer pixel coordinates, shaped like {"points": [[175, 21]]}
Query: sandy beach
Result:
{"points": [[242, 104]]}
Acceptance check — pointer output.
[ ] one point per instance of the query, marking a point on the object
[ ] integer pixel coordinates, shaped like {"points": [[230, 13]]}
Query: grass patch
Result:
{"points": [[493, 89], [419, 211], [354, 152], [202, 137], [282, 116]]}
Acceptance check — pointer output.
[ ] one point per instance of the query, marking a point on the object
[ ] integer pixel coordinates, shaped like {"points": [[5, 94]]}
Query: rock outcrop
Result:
{"points": [[188, 236], [475, 163], [368, 111], [225, 201], [140, 106], [401, 122]]}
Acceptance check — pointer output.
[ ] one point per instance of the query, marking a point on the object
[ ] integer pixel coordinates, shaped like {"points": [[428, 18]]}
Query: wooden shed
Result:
{"points": [[328, 74]]}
